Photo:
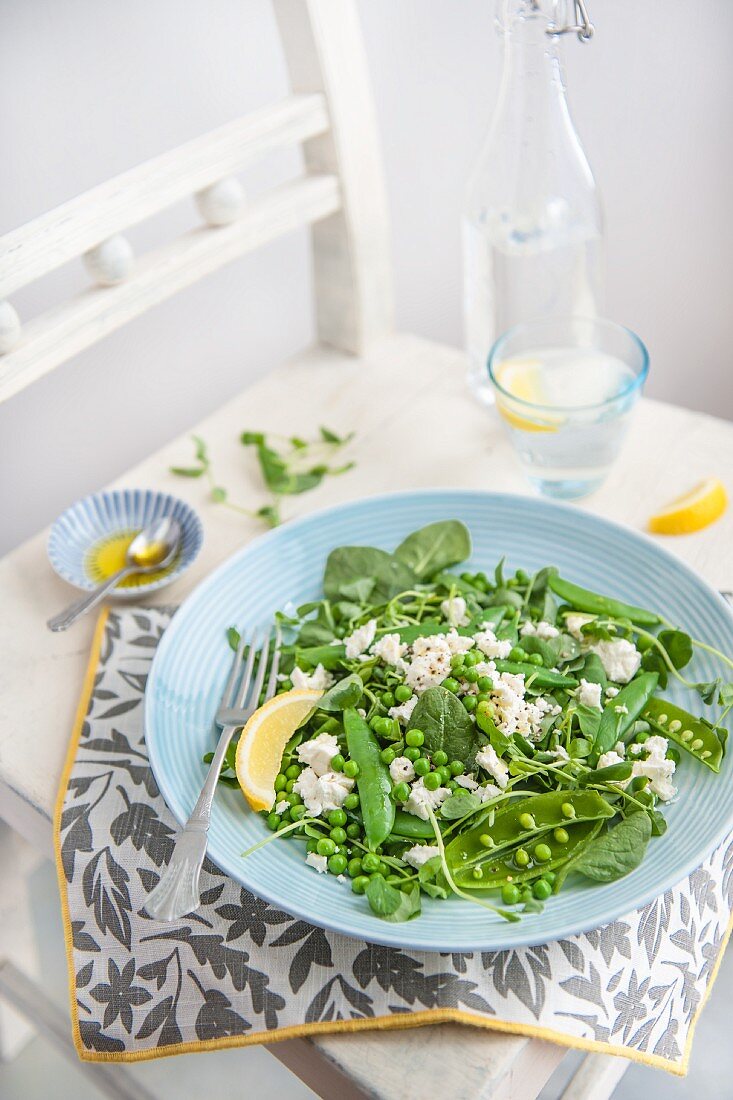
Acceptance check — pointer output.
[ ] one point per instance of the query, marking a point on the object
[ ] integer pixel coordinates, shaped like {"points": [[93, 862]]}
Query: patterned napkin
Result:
{"points": [[240, 971]]}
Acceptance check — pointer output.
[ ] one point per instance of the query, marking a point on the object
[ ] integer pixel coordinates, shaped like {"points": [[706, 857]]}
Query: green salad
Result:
{"points": [[486, 735]]}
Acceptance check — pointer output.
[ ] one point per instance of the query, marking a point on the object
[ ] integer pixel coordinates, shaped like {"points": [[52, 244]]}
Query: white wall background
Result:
{"points": [[91, 87]]}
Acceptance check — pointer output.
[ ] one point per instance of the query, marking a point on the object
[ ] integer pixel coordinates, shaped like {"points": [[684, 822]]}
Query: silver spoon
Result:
{"points": [[154, 548]]}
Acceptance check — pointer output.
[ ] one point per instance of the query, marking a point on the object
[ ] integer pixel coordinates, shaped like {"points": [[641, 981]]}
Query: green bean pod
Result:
{"points": [[699, 737], [504, 869], [373, 780], [595, 604], [541, 677], [408, 826], [634, 697], [522, 821]]}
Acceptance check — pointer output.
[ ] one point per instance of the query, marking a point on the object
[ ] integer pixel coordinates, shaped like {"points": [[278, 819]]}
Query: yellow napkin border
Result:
{"points": [[390, 1022]]}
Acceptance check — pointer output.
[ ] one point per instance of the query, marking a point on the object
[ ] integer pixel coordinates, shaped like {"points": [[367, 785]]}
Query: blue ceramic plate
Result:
{"points": [[96, 521], [193, 659]]}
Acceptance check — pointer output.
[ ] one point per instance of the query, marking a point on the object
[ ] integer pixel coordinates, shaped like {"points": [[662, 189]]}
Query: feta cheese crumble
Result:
{"points": [[420, 854], [589, 694], [431, 656], [612, 692], [607, 759], [403, 711], [282, 807], [490, 645], [454, 610], [656, 767], [318, 752], [574, 622], [619, 657], [359, 641], [401, 770], [319, 862], [487, 759], [322, 793], [391, 650], [544, 631], [420, 798], [318, 680]]}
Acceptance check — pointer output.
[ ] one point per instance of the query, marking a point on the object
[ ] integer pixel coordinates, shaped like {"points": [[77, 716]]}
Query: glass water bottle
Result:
{"points": [[532, 225]]}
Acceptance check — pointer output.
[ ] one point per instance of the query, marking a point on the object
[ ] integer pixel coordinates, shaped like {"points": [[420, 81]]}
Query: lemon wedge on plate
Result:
{"points": [[263, 740], [693, 511], [522, 378]]}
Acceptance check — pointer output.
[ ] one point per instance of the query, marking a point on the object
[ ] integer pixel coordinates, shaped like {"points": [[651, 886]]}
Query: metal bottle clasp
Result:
{"points": [[582, 26]]}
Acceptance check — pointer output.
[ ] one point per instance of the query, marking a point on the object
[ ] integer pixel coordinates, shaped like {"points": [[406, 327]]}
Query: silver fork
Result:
{"points": [[177, 892]]}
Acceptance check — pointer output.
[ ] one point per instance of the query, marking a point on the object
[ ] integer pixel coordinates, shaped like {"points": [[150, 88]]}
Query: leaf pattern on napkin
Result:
{"points": [[239, 968]]}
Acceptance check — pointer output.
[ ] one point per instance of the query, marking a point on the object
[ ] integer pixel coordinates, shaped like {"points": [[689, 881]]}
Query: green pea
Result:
{"points": [[472, 657], [293, 798], [351, 801], [456, 767], [338, 835], [432, 781], [477, 873], [415, 738], [549, 876], [445, 774], [382, 726], [325, 847], [469, 702], [542, 889], [337, 864], [387, 755], [353, 867], [485, 683], [337, 763], [375, 722], [562, 836], [535, 659], [567, 809], [483, 697], [413, 753], [312, 845], [452, 785], [337, 817], [374, 875], [286, 685], [521, 857], [297, 812], [353, 831], [370, 863], [387, 699], [440, 758], [402, 693], [510, 894], [359, 884], [486, 841], [273, 821], [471, 676], [401, 792], [351, 769], [522, 577], [457, 661], [543, 853], [527, 821], [290, 786], [280, 781], [422, 766], [292, 772], [394, 880], [450, 684], [516, 653]]}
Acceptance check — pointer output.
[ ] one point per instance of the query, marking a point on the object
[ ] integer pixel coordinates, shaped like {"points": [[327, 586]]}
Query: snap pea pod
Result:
{"points": [[408, 826], [522, 821], [595, 604], [700, 738], [373, 779], [620, 713], [504, 869], [542, 677]]}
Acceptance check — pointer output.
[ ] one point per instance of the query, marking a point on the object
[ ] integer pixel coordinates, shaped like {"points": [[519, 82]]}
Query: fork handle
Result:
{"points": [[177, 892], [200, 816]]}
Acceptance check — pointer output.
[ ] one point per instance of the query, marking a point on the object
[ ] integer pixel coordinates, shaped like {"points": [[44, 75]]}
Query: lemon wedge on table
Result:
{"points": [[263, 740], [693, 511]]}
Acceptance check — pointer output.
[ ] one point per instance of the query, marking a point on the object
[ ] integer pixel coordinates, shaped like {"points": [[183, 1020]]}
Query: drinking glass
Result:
{"points": [[565, 388]]}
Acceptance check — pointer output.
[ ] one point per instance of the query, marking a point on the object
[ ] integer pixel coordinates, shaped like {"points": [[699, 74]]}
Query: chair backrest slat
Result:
{"points": [[342, 197]]}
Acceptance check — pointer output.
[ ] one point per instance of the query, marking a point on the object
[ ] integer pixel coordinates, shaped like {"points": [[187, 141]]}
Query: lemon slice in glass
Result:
{"points": [[522, 378]]}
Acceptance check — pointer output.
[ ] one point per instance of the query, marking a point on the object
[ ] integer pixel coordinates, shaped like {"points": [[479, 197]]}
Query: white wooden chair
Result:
{"points": [[341, 195]]}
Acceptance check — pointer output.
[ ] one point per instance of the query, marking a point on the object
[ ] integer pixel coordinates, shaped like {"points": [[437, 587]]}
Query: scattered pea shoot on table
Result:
{"points": [[297, 466], [479, 736]]}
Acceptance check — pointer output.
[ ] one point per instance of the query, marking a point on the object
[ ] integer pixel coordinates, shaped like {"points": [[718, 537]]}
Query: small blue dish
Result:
{"points": [[93, 532]]}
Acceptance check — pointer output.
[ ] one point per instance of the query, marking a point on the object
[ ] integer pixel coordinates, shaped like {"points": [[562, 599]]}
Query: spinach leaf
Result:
{"points": [[392, 904], [349, 564], [549, 651], [435, 547], [278, 476], [617, 852], [431, 878], [446, 725], [345, 693], [678, 646], [460, 803]]}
